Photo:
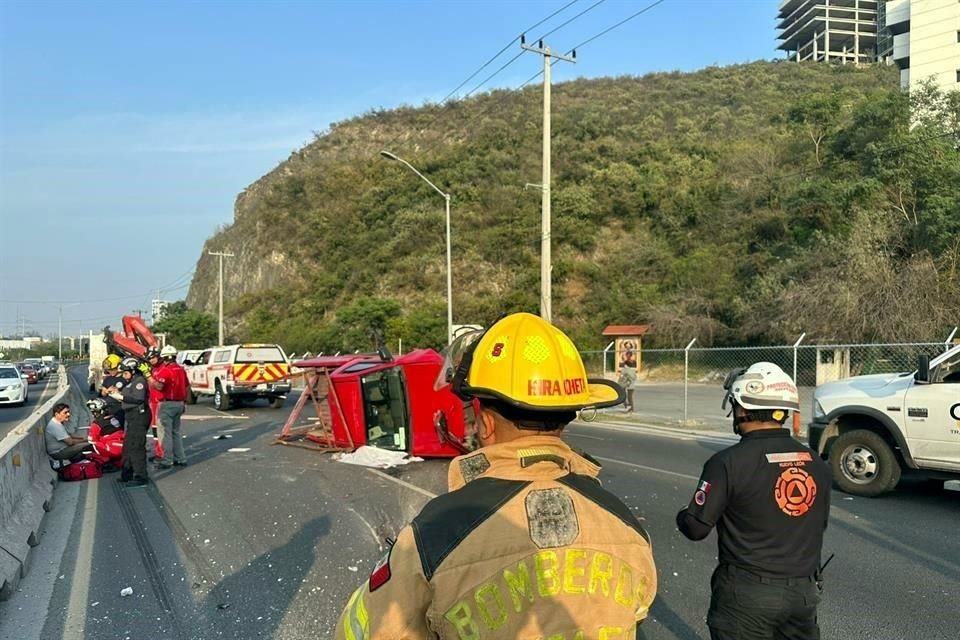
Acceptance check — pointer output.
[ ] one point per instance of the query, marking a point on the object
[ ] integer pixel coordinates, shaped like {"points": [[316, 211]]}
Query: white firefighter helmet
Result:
{"points": [[168, 351], [763, 386]]}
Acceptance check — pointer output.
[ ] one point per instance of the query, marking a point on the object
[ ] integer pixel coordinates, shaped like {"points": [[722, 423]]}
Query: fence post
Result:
{"points": [[949, 340], [795, 345], [796, 414], [686, 370], [609, 346]]}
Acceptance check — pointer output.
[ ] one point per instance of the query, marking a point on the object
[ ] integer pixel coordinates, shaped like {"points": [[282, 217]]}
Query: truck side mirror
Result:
{"points": [[923, 370]]}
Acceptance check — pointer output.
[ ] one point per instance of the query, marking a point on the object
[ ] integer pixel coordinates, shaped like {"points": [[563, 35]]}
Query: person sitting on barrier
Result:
{"points": [[106, 433], [61, 445]]}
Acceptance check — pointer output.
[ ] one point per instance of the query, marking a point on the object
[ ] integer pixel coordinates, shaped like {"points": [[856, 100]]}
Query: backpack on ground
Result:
{"points": [[83, 470]]}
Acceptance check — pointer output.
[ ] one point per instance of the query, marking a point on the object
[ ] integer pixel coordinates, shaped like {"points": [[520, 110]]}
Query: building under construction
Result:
{"points": [[843, 31]]}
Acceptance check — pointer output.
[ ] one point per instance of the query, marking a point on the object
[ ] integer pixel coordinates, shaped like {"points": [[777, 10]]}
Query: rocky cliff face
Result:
{"points": [[252, 268]]}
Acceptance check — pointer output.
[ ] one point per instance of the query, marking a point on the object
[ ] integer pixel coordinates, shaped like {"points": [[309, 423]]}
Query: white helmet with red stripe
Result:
{"points": [[762, 386]]}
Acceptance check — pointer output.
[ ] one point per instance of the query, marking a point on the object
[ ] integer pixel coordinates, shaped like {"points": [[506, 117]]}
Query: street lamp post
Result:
{"points": [[446, 197]]}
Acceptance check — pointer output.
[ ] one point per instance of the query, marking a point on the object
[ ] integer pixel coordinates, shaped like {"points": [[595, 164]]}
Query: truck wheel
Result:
{"points": [[277, 403], [863, 464], [191, 396], [221, 400]]}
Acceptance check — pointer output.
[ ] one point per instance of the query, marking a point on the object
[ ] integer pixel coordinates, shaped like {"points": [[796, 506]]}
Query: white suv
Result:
{"points": [[870, 428], [13, 388]]}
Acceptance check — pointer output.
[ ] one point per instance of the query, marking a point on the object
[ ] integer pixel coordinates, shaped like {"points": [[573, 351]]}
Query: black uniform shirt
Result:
{"points": [[112, 404], [769, 497], [135, 393]]}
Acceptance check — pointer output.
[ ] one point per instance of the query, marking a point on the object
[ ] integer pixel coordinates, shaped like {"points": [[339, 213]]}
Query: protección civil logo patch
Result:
{"points": [[795, 491]]}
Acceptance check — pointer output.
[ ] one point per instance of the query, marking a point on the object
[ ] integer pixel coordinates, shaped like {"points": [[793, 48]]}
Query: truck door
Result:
{"points": [[385, 409], [198, 373], [932, 415]]}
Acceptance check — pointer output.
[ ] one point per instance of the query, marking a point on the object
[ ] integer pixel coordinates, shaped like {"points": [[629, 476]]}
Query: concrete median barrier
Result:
{"points": [[26, 490]]}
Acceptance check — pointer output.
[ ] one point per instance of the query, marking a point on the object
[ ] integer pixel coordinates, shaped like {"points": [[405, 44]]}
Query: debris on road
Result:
{"points": [[126, 591], [367, 456]]}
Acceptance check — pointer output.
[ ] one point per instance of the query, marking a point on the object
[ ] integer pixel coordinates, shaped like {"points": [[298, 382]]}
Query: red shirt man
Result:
{"points": [[170, 379]]}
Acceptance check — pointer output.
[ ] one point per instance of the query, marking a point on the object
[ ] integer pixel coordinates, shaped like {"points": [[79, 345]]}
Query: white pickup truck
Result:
{"points": [[236, 373], [871, 428]]}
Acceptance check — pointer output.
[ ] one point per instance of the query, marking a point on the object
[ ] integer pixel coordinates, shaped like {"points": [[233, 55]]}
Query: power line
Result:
{"points": [[505, 47], [485, 65], [492, 103], [592, 38], [587, 10], [622, 22]]}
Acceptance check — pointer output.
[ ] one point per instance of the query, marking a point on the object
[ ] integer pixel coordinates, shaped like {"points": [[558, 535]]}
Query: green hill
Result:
{"points": [[737, 204]]}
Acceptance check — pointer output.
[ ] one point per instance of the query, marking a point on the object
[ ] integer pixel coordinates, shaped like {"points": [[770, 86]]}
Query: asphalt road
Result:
{"points": [[259, 541], [663, 403], [11, 416]]}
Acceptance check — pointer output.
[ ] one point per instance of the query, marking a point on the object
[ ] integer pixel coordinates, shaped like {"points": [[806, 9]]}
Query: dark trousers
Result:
{"points": [[135, 444], [745, 606], [73, 453]]}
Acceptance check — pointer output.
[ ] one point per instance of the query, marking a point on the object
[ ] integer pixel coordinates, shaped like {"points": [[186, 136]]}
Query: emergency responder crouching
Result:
{"points": [[133, 398], [769, 497], [527, 544]]}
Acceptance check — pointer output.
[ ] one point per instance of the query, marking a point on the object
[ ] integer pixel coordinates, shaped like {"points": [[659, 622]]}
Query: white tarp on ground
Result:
{"points": [[367, 456]]}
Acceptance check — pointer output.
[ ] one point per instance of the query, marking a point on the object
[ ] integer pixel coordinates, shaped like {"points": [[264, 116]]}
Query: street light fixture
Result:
{"points": [[446, 197]]}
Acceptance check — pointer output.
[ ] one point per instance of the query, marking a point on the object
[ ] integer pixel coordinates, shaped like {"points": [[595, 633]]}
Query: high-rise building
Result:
{"points": [[924, 41], [157, 310], [922, 37], [843, 31]]}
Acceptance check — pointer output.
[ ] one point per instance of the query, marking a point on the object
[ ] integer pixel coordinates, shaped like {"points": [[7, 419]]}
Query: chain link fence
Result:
{"points": [[682, 386]]}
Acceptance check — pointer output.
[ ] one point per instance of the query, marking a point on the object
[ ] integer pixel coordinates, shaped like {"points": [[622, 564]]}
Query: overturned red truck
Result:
{"points": [[380, 401]]}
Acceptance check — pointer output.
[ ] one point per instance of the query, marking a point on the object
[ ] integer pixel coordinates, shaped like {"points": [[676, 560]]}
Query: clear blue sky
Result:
{"points": [[128, 128]]}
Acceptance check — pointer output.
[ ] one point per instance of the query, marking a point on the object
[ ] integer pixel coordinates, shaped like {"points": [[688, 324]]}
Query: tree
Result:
{"points": [[187, 328]]}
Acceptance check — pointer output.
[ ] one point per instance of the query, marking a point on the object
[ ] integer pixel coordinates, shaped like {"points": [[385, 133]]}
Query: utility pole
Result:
{"points": [[60, 333], [139, 312], [221, 255], [545, 257]]}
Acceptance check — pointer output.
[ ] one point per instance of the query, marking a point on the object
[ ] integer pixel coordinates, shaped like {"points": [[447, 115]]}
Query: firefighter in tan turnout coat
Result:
{"points": [[526, 544]]}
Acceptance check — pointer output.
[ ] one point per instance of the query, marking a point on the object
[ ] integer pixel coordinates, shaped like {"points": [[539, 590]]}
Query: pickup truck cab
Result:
{"points": [[871, 428], [235, 373]]}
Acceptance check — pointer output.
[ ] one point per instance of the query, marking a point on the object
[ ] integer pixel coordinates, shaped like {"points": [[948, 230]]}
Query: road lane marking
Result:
{"points": [[403, 483], [646, 468], [373, 531], [76, 621], [583, 435]]}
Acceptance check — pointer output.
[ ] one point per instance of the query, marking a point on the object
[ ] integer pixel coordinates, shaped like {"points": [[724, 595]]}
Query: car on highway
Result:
{"points": [[872, 428], [37, 364], [31, 373], [13, 387]]}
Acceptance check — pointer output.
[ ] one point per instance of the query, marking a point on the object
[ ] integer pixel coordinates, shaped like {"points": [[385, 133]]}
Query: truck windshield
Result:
{"points": [[260, 354]]}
